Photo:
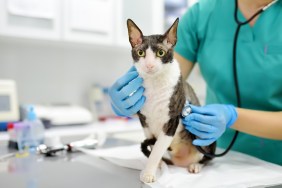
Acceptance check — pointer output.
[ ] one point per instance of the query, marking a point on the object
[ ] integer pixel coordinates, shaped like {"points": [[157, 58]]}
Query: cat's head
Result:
{"points": [[151, 54]]}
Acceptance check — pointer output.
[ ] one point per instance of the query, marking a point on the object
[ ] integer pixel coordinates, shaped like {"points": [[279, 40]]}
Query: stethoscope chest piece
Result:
{"points": [[186, 111]]}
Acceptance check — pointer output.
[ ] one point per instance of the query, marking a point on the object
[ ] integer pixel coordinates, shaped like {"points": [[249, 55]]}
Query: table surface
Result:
{"points": [[68, 170]]}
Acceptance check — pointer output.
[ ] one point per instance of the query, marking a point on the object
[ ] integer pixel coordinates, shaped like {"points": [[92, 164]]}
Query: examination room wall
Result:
{"points": [[54, 60], [47, 72]]}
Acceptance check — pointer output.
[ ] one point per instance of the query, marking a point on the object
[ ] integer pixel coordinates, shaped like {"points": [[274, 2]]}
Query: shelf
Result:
{"points": [[82, 21], [42, 22]]}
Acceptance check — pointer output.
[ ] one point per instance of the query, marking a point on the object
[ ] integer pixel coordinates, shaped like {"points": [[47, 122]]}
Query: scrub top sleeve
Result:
{"points": [[187, 41]]}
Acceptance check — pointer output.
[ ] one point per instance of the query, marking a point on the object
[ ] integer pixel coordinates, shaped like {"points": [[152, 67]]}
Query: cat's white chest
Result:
{"points": [[158, 92], [156, 107]]}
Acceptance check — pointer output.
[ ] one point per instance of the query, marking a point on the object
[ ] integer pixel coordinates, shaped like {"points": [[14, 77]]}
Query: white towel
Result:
{"points": [[235, 170]]}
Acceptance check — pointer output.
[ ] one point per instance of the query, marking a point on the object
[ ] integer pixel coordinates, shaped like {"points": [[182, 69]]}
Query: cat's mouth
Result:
{"points": [[151, 72], [148, 72]]}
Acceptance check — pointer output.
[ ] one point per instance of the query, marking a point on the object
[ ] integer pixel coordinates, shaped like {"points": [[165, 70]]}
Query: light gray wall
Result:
{"points": [[53, 72]]}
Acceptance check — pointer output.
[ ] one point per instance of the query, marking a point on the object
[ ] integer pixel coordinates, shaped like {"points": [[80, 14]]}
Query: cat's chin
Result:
{"points": [[151, 73]]}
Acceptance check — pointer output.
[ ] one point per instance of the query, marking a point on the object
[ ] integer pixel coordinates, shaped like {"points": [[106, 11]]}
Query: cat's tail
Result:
{"points": [[150, 142]]}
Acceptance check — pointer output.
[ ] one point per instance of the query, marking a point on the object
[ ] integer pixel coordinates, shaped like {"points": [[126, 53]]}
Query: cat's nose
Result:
{"points": [[150, 66]]}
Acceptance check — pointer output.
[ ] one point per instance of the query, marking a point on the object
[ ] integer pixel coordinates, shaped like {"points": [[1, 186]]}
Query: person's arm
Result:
{"points": [[209, 122], [186, 66], [259, 123]]}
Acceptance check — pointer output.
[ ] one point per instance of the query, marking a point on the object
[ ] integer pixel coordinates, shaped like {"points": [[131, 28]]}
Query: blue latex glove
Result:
{"points": [[127, 94], [209, 122]]}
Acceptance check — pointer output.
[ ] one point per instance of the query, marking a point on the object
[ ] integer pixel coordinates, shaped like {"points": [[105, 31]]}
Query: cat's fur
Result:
{"points": [[165, 93]]}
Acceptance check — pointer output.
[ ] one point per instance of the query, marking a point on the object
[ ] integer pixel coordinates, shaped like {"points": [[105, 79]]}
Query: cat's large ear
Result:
{"points": [[134, 33], [170, 36]]}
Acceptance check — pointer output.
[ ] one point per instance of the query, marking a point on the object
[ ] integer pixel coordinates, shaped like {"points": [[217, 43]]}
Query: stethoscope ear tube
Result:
{"points": [[235, 74]]}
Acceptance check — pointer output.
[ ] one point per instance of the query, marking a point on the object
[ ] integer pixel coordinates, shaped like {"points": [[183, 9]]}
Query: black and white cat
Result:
{"points": [[165, 93]]}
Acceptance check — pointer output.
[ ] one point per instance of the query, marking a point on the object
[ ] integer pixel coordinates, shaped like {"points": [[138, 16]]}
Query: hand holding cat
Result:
{"points": [[209, 122], [127, 94]]}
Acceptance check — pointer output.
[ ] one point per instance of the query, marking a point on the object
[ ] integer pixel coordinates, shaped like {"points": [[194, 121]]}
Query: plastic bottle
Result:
{"points": [[23, 136], [36, 126], [96, 101], [100, 103]]}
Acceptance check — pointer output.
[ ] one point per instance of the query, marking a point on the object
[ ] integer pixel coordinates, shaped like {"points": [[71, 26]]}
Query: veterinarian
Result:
{"points": [[206, 36]]}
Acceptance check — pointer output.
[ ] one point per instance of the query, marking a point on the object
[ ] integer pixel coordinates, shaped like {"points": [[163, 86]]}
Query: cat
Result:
{"points": [[166, 93]]}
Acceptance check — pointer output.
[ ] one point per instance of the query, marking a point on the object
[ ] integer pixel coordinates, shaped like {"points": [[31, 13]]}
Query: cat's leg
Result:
{"points": [[195, 168], [144, 124], [163, 142], [148, 134], [148, 175], [184, 153]]}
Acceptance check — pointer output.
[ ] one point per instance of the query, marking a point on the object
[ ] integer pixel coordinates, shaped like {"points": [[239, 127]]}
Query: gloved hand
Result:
{"points": [[209, 122], [127, 94]]}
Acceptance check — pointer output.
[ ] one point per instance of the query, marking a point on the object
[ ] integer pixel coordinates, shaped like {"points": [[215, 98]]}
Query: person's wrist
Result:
{"points": [[232, 114]]}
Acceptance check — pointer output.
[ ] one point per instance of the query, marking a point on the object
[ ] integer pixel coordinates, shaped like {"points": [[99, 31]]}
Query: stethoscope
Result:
{"points": [[187, 110]]}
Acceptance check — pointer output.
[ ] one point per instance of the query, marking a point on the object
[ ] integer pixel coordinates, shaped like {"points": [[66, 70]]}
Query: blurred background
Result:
{"points": [[68, 52], [59, 57]]}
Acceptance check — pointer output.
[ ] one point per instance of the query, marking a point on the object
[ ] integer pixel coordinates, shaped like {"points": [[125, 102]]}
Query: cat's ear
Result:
{"points": [[170, 36], [134, 33]]}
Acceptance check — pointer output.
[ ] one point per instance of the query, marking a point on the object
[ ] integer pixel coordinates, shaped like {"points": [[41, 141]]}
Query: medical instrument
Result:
{"points": [[9, 108], [63, 115], [187, 109], [237, 88], [88, 143]]}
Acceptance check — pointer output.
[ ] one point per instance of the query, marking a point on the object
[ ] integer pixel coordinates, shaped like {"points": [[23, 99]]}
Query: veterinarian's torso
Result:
{"points": [[206, 36]]}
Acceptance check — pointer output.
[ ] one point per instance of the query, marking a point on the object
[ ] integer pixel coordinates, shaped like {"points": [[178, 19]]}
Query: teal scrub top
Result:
{"points": [[206, 34]]}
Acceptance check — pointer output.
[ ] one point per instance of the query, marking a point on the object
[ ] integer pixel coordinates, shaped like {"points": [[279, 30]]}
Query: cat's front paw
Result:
{"points": [[147, 177], [195, 168]]}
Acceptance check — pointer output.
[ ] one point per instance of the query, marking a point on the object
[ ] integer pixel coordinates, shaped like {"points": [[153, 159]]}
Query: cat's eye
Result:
{"points": [[160, 53], [141, 53]]}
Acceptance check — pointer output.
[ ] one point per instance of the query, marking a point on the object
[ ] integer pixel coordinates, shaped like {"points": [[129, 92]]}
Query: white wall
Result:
{"points": [[52, 72], [56, 72]]}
